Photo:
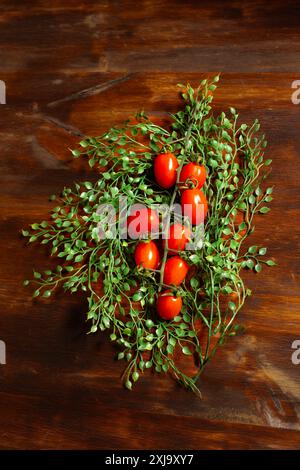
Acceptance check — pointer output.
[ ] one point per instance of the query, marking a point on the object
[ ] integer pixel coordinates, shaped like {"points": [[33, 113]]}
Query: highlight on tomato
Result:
{"points": [[178, 237], [194, 205], [146, 255], [142, 221], [168, 305], [192, 176], [175, 271], [165, 170]]}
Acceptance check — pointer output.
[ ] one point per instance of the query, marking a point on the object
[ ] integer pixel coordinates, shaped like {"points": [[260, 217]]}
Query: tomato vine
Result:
{"points": [[121, 296]]}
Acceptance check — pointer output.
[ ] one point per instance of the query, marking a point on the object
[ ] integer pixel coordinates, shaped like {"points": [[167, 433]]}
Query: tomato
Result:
{"points": [[165, 166], [168, 305], [194, 205], [175, 271], [192, 176], [178, 237], [146, 254], [142, 221]]}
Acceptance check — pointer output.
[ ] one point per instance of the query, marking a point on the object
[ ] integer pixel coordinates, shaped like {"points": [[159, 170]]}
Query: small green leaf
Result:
{"points": [[258, 268], [269, 190], [270, 262], [262, 251], [137, 296], [264, 210], [232, 306], [26, 282], [268, 162], [250, 263], [37, 275], [93, 329], [186, 351], [194, 282], [128, 384], [252, 249], [251, 199], [25, 233], [47, 293], [135, 376], [76, 153]]}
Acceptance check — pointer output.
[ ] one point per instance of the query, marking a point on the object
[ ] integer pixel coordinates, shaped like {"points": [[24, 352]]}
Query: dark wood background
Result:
{"points": [[77, 67]]}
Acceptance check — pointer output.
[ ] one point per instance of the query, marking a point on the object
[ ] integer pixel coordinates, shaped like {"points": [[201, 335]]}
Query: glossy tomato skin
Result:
{"points": [[175, 271], [194, 205], [165, 170], [146, 254], [168, 305], [143, 221], [179, 236], [192, 174]]}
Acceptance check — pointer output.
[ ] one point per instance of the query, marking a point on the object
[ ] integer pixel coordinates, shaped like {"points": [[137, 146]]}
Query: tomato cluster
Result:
{"points": [[146, 222]]}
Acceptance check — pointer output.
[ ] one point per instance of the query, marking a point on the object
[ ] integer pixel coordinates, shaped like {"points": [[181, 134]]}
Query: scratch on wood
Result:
{"points": [[94, 90], [67, 127]]}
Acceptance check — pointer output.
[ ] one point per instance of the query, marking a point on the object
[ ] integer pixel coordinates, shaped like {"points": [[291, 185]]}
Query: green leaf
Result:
{"points": [[258, 268], [37, 275], [262, 251], [250, 263], [186, 351], [25, 233], [252, 249], [76, 153], [264, 210], [47, 294], [93, 329], [26, 282], [270, 262], [137, 296], [128, 384], [232, 306], [227, 231], [251, 199], [135, 376], [194, 259], [269, 190], [78, 258], [268, 162]]}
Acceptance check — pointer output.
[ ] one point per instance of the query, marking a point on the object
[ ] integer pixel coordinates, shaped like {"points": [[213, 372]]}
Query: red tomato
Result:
{"points": [[175, 271], [194, 205], [165, 166], [192, 175], [168, 305], [178, 237], [142, 221], [146, 254]]}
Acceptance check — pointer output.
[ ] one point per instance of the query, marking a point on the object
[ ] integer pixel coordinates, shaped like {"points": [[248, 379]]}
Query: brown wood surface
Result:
{"points": [[74, 68]]}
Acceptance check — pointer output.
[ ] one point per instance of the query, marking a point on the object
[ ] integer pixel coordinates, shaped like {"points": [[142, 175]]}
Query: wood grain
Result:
{"points": [[78, 68]]}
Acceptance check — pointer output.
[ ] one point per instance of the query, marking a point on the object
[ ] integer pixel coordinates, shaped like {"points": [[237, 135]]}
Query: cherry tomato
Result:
{"points": [[146, 254], [175, 271], [168, 305], [178, 237], [194, 205], [142, 221], [165, 166], [192, 175]]}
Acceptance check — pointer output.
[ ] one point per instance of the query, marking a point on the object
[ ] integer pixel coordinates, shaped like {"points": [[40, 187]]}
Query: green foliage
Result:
{"points": [[121, 297]]}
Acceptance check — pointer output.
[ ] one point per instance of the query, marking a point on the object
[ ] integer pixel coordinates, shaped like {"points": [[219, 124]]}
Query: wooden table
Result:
{"points": [[76, 68]]}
